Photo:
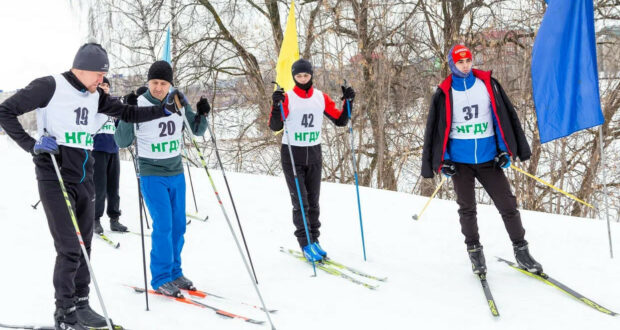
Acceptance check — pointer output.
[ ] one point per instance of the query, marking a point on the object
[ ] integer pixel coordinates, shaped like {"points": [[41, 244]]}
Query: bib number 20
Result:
{"points": [[167, 128]]}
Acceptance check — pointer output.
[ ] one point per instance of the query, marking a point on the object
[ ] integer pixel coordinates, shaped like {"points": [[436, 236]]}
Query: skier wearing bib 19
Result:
{"points": [[68, 106], [162, 182], [472, 131], [304, 107]]}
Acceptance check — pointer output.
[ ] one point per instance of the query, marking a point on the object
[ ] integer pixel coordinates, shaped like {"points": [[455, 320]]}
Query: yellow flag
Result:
{"points": [[289, 53]]}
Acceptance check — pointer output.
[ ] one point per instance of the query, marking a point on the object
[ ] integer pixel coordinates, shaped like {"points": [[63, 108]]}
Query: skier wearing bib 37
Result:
{"points": [[162, 181], [67, 107], [472, 132], [304, 107]]}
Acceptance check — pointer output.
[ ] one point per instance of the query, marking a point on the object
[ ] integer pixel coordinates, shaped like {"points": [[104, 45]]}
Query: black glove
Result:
{"points": [[170, 106], [448, 168], [347, 93], [203, 106], [278, 97], [503, 160], [131, 98]]}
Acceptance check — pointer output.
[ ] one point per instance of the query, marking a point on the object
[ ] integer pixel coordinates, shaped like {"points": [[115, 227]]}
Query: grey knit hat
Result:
{"points": [[91, 57]]}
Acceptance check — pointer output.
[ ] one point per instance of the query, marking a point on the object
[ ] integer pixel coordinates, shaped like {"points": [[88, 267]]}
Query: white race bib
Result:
{"points": [[472, 116], [106, 124], [70, 116], [159, 138], [305, 119]]}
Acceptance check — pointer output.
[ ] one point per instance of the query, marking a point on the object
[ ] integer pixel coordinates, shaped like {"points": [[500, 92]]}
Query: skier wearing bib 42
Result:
{"points": [[68, 106], [162, 181], [304, 107], [471, 132]]}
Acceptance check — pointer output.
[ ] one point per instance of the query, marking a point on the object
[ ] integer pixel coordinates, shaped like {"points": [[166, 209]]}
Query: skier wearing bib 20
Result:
{"points": [[69, 106], [304, 107], [472, 132], [162, 182]]}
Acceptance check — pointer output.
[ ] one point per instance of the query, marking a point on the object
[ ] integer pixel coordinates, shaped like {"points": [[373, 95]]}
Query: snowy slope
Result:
{"points": [[430, 283]]}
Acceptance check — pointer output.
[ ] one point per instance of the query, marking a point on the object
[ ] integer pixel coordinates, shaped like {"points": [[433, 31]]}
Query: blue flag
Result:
{"points": [[564, 70], [166, 53]]}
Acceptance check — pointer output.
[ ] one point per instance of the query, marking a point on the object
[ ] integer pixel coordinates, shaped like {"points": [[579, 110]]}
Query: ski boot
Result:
{"points": [[98, 229], [115, 225], [170, 289], [317, 248], [478, 263], [525, 260], [66, 319], [311, 254], [87, 317], [184, 283]]}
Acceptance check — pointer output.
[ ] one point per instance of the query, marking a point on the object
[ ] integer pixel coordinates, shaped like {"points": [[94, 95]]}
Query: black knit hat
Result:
{"points": [[91, 57], [141, 90], [160, 70], [106, 81], [300, 66]]}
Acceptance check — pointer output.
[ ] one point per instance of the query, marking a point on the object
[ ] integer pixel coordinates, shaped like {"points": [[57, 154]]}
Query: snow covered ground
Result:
{"points": [[430, 284]]}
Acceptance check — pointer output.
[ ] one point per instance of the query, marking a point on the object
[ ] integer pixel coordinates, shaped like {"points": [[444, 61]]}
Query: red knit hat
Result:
{"points": [[460, 52]]}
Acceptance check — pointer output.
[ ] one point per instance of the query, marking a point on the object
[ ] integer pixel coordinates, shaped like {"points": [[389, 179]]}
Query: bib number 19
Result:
{"points": [[81, 116]]}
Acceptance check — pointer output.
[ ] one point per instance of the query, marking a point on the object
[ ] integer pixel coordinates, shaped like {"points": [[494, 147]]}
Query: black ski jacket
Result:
{"points": [[75, 164], [439, 123]]}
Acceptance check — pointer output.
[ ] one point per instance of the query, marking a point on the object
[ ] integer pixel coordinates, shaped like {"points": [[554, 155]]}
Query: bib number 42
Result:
{"points": [[307, 120]]}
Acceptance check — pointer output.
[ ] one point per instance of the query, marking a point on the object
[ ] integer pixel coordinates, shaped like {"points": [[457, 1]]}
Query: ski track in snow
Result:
{"points": [[430, 284]]}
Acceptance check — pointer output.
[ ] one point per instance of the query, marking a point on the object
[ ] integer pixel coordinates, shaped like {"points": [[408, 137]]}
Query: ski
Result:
{"points": [[106, 239], [203, 294], [488, 295], [329, 269], [137, 233], [355, 271], [32, 327], [201, 305], [48, 327], [195, 216], [556, 284]]}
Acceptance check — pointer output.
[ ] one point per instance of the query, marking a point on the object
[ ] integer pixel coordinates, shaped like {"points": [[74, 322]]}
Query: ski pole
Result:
{"points": [[189, 173], [290, 152], [357, 187], [79, 236], [217, 195], [36, 204], [571, 196], [135, 168], [417, 216], [219, 160], [141, 208]]}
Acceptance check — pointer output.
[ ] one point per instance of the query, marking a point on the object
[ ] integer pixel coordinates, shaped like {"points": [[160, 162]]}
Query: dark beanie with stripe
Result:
{"points": [[91, 57]]}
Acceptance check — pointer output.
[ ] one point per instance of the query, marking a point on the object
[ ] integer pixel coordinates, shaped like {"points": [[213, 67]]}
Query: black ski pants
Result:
{"points": [[497, 186], [107, 171], [71, 275], [310, 186]]}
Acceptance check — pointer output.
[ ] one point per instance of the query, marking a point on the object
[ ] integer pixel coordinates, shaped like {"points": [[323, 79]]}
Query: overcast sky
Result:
{"points": [[39, 38]]}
